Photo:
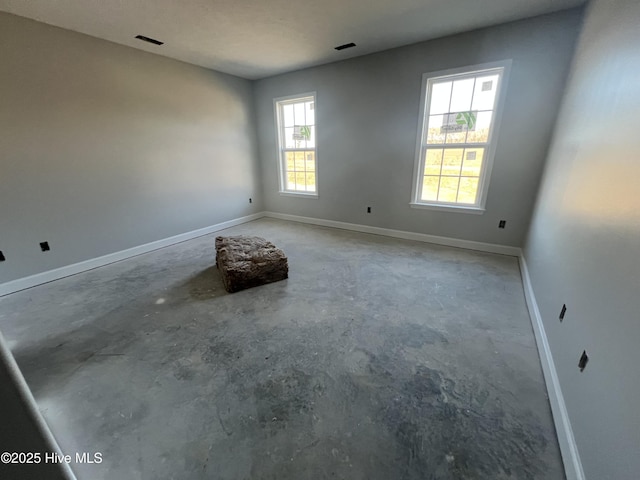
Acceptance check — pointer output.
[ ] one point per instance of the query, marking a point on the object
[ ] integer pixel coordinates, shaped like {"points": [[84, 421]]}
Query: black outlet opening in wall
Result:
{"points": [[368, 209], [149, 40], [584, 359], [502, 224], [345, 46], [251, 200], [44, 246], [562, 312], [2, 259]]}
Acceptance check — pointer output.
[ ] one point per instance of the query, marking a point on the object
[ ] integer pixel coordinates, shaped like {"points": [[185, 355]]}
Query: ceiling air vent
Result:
{"points": [[346, 45], [149, 40]]}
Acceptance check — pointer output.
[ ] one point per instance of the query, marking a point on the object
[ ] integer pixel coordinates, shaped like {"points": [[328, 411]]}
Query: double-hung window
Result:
{"points": [[296, 128], [457, 137]]}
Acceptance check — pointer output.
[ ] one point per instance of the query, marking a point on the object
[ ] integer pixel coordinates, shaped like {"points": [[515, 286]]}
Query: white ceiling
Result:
{"points": [[259, 38]]}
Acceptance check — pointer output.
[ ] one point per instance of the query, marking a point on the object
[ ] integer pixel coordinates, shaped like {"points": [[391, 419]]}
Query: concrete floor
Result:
{"points": [[378, 359]]}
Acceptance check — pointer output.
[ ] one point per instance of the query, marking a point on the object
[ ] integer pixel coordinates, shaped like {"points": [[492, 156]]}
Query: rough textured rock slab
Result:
{"points": [[246, 262]]}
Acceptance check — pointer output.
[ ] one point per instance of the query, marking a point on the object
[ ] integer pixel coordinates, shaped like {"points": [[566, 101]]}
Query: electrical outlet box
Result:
{"points": [[368, 209], [584, 359], [44, 246], [562, 312], [502, 224], [251, 200], [2, 258]]}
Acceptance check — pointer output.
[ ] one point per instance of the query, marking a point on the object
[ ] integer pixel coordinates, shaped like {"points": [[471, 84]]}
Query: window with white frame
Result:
{"points": [[296, 125], [459, 116]]}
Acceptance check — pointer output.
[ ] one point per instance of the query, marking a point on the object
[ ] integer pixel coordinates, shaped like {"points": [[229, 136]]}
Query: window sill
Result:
{"points": [[449, 208], [299, 194]]}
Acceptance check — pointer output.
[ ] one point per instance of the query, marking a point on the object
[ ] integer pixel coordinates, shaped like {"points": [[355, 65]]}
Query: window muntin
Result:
{"points": [[455, 145], [296, 125]]}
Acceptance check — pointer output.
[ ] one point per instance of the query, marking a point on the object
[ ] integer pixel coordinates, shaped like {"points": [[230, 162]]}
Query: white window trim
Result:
{"points": [[281, 172], [485, 176]]}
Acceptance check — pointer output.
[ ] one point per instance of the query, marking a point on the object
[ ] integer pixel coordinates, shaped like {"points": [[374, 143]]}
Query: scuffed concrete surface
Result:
{"points": [[377, 359]]}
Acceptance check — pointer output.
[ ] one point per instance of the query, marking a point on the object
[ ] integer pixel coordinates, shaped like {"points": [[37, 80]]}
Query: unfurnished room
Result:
{"points": [[320, 240]]}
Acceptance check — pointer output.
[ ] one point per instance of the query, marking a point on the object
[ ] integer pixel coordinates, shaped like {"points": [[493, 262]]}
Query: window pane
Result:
{"points": [[448, 189], [299, 161], [300, 181], [457, 137], [310, 134], [311, 182], [299, 136], [484, 94], [310, 113], [481, 132], [291, 181], [435, 134], [290, 156], [456, 125], [452, 161], [302, 136], [289, 141], [298, 109], [430, 188], [468, 190], [287, 113], [472, 162], [440, 96], [310, 161], [432, 162], [461, 95]]}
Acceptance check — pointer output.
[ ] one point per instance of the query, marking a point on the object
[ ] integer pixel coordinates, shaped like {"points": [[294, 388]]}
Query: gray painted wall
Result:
{"points": [[104, 147], [367, 111], [583, 248]]}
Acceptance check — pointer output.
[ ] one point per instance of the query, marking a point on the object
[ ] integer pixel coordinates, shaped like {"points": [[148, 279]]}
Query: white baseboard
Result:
{"points": [[420, 237], [568, 447], [58, 273]]}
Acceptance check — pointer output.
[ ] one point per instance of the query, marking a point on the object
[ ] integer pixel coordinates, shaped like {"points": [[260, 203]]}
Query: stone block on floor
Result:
{"points": [[246, 262]]}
